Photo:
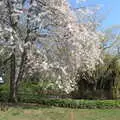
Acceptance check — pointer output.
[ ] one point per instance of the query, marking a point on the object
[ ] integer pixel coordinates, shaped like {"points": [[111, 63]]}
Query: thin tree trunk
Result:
{"points": [[22, 68], [16, 76], [13, 85]]}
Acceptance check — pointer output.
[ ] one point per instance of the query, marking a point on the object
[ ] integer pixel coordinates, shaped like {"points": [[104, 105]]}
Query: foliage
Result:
{"points": [[36, 91], [30, 95], [47, 37], [4, 92], [110, 74], [72, 103], [103, 83]]}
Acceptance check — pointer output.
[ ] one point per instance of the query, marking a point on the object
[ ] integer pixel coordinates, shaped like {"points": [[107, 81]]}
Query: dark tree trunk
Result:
{"points": [[13, 85], [16, 76]]}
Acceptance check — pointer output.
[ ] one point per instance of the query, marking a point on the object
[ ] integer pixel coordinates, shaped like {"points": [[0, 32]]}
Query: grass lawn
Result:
{"points": [[25, 112]]}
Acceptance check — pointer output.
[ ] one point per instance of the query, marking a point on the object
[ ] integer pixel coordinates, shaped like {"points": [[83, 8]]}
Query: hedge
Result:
{"points": [[71, 103], [67, 103]]}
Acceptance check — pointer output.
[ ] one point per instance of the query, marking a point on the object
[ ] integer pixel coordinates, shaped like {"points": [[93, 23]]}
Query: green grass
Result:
{"points": [[25, 112]]}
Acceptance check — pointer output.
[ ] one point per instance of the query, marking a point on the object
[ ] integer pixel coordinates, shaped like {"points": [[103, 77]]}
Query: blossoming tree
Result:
{"points": [[42, 35]]}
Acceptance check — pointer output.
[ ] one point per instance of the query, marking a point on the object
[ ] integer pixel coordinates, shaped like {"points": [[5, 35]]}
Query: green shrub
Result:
{"points": [[4, 92], [28, 95], [71, 103]]}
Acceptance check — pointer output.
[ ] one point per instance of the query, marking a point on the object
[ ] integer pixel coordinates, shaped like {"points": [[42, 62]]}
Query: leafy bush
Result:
{"points": [[4, 92], [81, 103], [71, 103], [31, 97]]}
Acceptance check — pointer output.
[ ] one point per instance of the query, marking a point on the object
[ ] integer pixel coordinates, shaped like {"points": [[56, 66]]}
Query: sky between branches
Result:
{"points": [[110, 9]]}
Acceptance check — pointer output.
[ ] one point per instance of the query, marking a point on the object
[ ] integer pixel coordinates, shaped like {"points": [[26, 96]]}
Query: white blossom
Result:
{"points": [[52, 38]]}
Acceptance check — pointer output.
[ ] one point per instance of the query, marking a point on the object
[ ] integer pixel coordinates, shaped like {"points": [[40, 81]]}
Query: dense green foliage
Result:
{"points": [[71, 103], [4, 92], [107, 76], [35, 94], [104, 83]]}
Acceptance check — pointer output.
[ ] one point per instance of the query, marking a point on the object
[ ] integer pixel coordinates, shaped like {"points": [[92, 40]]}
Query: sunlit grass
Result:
{"points": [[54, 113]]}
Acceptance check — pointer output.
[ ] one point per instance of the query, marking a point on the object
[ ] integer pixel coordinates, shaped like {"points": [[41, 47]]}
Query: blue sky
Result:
{"points": [[110, 8]]}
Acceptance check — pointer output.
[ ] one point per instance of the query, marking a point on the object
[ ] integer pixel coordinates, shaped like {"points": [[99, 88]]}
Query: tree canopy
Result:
{"points": [[43, 36]]}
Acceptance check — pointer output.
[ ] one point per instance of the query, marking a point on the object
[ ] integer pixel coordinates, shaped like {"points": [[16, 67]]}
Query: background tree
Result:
{"points": [[111, 41]]}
